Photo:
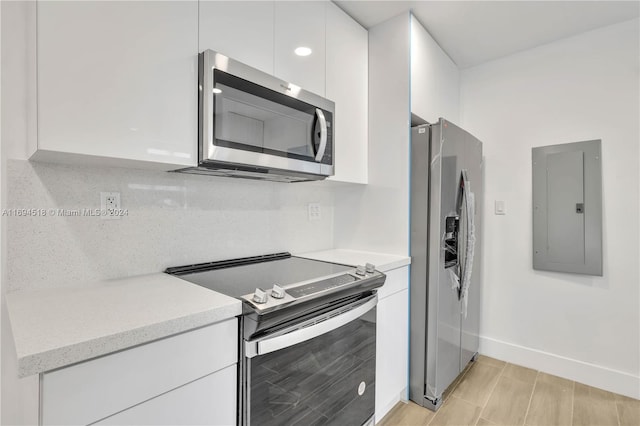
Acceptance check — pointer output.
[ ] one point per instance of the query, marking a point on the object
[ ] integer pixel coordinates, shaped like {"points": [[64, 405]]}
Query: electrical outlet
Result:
{"points": [[315, 213], [110, 205]]}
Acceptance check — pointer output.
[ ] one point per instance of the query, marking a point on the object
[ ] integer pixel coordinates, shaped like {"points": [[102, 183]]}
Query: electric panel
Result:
{"points": [[567, 208]]}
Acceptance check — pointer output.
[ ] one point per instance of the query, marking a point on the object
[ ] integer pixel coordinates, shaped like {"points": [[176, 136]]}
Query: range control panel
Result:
{"points": [[277, 296]]}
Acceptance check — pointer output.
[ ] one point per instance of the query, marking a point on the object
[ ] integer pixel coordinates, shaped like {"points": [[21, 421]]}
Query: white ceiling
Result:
{"points": [[473, 32]]}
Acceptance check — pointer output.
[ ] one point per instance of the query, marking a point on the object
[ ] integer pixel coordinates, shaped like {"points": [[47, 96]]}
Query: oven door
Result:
{"points": [[321, 371]]}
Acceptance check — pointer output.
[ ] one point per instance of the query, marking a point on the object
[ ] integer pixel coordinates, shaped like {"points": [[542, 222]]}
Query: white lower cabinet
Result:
{"points": [[392, 343], [210, 400], [128, 386]]}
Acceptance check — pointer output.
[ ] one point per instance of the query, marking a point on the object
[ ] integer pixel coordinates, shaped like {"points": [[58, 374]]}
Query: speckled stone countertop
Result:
{"points": [[383, 262], [56, 327]]}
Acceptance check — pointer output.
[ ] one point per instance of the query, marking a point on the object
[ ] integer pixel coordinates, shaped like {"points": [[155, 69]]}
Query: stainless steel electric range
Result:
{"points": [[308, 337]]}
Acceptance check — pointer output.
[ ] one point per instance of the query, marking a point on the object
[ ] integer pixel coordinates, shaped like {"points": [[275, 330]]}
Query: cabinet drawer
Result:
{"points": [[90, 391], [210, 400]]}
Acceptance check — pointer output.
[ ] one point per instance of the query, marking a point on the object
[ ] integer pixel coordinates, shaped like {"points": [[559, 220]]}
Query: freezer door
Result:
{"points": [[444, 321]]}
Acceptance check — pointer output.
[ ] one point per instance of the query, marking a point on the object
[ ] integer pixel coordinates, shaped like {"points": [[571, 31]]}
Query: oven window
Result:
{"points": [[326, 380], [251, 117]]}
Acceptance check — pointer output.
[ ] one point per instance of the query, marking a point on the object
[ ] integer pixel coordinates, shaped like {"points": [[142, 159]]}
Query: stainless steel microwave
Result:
{"points": [[256, 126]]}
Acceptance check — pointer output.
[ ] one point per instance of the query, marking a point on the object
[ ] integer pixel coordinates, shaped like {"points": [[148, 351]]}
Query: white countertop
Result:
{"points": [[57, 327], [382, 261]]}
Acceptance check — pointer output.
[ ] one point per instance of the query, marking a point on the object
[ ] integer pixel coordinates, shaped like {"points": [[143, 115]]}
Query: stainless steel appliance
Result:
{"points": [[446, 196], [307, 353], [256, 126]]}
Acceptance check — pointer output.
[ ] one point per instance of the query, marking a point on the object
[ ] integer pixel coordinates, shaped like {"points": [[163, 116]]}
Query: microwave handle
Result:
{"points": [[323, 134], [272, 344]]}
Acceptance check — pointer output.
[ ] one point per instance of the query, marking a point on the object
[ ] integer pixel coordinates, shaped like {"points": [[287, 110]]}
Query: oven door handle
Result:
{"points": [[299, 335]]}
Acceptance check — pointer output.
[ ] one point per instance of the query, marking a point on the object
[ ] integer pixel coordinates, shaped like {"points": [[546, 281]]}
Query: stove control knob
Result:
{"points": [[260, 296], [277, 292], [370, 268], [360, 270]]}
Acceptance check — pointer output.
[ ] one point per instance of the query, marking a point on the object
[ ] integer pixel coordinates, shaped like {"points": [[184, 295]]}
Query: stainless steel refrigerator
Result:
{"points": [[446, 201]]}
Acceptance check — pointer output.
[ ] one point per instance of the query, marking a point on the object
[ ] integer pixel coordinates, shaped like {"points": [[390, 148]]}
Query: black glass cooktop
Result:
{"points": [[236, 278]]}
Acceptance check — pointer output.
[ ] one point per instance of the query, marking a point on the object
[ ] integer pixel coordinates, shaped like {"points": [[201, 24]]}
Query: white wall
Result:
{"points": [[435, 79], [586, 87], [375, 217], [2, 192], [18, 397], [173, 219]]}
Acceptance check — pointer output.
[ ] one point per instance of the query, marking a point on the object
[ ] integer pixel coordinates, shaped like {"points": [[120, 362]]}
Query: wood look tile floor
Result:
{"points": [[493, 392]]}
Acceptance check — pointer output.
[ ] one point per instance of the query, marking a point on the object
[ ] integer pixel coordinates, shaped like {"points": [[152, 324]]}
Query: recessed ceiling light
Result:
{"points": [[216, 90], [303, 51]]}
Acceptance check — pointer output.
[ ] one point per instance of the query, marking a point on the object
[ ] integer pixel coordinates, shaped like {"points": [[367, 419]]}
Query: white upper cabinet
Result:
{"points": [[347, 85], [435, 78], [301, 24], [118, 81], [242, 30]]}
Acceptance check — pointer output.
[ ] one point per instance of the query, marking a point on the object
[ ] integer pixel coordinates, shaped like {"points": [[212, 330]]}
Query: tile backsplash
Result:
{"points": [[172, 219]]}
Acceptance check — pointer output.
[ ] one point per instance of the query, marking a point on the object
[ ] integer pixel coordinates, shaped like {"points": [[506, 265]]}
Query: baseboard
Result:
{"points": [[404, 395], [572, 369], [383, 411]]}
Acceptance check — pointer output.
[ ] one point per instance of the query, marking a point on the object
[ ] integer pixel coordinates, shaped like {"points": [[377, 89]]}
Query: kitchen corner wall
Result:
{"points": [[375, 217], [408, 73], [586, 87]]}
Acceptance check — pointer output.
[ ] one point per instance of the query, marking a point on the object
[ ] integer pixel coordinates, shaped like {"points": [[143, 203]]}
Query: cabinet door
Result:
{"points": [[391, 352], [118, 80], [301, 24], [347, 85], [397, 280], [435, 78], [210, 400], [242, 30]]}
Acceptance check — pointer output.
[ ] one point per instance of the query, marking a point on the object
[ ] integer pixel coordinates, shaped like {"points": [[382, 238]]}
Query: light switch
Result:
{"points": [[499, 207]]}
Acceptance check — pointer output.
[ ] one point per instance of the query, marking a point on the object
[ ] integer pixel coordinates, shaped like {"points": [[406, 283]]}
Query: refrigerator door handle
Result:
{"points": [[466, 201]]}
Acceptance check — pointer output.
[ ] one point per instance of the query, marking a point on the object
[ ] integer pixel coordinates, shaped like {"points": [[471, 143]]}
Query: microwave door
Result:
{"points": [[251, 118]]}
